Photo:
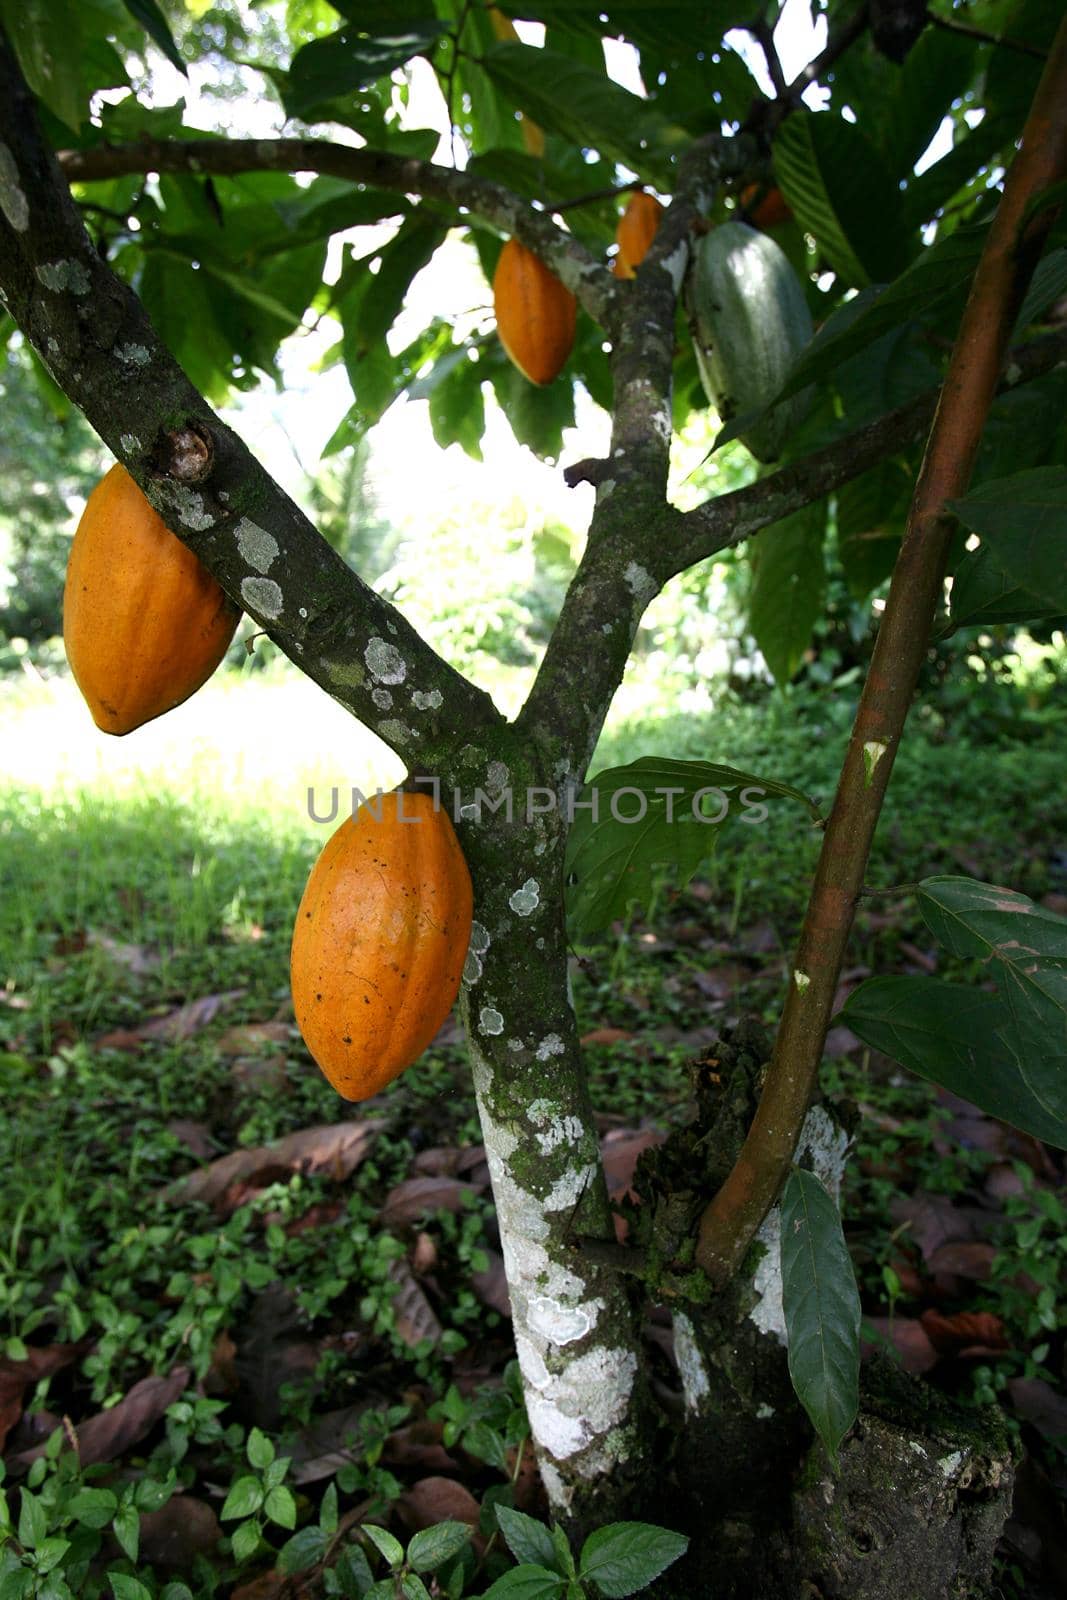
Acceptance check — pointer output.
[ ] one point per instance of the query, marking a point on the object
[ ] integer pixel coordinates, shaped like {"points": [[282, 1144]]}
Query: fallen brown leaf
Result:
{"points": [[491, 1286], [327, 1444], [108, 1434], [963, 1259], [417, 1197], [1039, 1404], [418, 1445], [606, 1036], [334, 1150], [620, 1149], [434, 1500], [952, 1334], [908, 1338], [178, 1532], [248, 1037], [195, 1136], [179, 1024], [415, 1317], [17, 1376]]}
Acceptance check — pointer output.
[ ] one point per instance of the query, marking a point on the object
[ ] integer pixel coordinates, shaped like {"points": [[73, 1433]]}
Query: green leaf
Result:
{"points": [[1047, 286], [870, 520], [585, 106], [628, 1556], [280, 1507], [328, 1511], [386, 1545], [432, 1547], [822, 1308], [123, 1587], [245, 1540], [347, 61], [956, 1037], [610, 862], [843, 194], [176, 1591], [33, 1521], [527, 1582], [788, 588], [1022, 520], [353, 1570], [457, 409], [93, 1508], [981, 593], [486, 1444], [17, 1584], [259, 1449], [302, 1550], [127, 1530], [47, 39], [527, 1539], [155, 24], [51, 1553], [413, 1588], [244, 1499]]}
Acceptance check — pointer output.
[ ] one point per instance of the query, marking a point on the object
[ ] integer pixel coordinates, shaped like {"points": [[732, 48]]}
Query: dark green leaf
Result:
{"points": [[346, 61], [1022, 520], [526, 1582], [842, 193], [628, 1556], [677, 806], [123, 1587], [245, 1540], [527, 1539], [384, 1542], [981, 593], [1047, 287], [434, 1546], [957, 1037], [788, 586], [93, 1508], [822, 1308], [155, 24], [33, 1521], [127, 1530], [870, 521], [302, 1550], [47, 39]]}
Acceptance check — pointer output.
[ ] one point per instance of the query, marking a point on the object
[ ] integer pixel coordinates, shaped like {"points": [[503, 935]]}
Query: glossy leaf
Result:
{"points": [[627, 1556], [527, 1539], [432, 1547], [347, 61], [155, 24], [611, 863], [526, 1582], [822, 1308], [957, 1037], [46, 36]]}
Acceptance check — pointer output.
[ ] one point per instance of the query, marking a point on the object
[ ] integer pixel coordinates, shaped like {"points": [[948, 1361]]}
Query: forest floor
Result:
{"points": [[270, 1316]]}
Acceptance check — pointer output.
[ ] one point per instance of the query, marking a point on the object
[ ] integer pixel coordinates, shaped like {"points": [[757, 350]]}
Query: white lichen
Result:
{"points": [[490, 1020], [424, 700], [691, 1368], [258, 547], [65, 277], [472, 968], [551, 1045], [801, 980], [132, 355], [262, 595], [395, 732], [13, 202], [525, 901], [382, 699], [385, 662], [129, 444], [675, 264], [640, 582], [480, 940]]}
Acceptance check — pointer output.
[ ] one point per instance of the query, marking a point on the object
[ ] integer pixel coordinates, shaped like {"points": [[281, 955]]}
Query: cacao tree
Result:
{"points": [[156, 266]]}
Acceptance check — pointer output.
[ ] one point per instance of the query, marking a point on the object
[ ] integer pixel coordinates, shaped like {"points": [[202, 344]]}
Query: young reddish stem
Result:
{"points": [[1008, 260]]}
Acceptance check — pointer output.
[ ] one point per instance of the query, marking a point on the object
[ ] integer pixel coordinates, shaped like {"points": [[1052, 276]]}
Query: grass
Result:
{"points": [[145, 874]]}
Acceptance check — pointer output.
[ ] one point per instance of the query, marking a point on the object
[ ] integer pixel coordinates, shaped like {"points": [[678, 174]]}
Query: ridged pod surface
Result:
{"points": [[144, 622], [750, 321], [535, 315], [380, 940], [637, 227]]}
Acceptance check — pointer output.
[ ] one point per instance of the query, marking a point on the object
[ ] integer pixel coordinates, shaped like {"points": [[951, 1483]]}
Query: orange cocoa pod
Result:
{"points": [[535, 314], [637, 227], [380, 940], [144, 622], [771, 211]]}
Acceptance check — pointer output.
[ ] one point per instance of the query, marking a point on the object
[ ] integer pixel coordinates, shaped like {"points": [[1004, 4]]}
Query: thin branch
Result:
{"points": [[1008, 260], [731, 518], [953, 25], [763, 34], [93, 334], [767, 114], [589, 279]]}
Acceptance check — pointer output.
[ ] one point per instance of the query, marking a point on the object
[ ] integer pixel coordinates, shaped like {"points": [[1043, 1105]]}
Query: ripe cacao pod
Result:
{"points": [[535, 314], [144, 622], [637, 227], [504, 29], [749, 321], [380, 940], [770, 212]]}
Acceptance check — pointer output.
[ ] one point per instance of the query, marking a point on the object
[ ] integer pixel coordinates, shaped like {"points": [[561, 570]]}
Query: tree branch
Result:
{"points": [[731, 518], [626, 560], [590, 280], [953, 25], [93, 335], [1011, 252]]}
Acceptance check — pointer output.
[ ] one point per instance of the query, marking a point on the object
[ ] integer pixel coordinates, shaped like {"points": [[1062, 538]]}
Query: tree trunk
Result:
{"points": [[574, 1326]]}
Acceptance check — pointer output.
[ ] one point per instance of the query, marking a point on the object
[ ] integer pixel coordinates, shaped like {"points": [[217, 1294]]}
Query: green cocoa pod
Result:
{"points": [[749, 321]]}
